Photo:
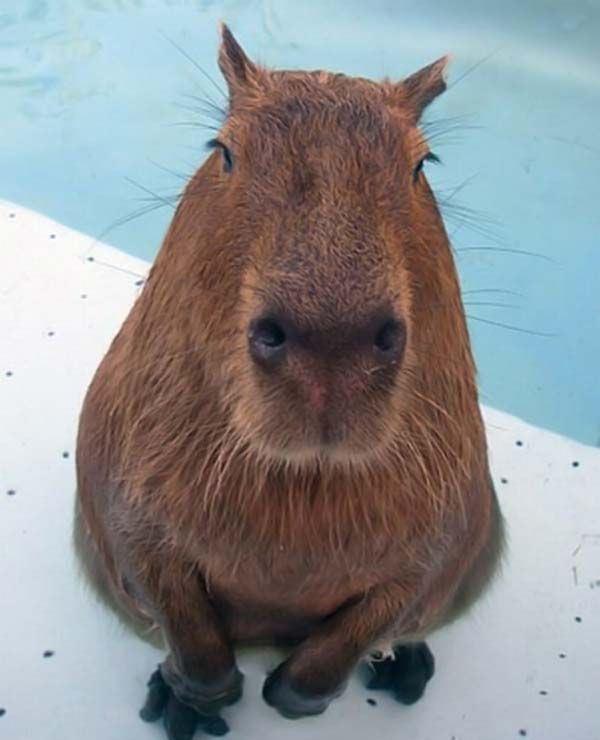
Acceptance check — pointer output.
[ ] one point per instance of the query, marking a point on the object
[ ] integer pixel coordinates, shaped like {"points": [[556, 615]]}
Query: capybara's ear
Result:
{"points": [[238, 70], [416, 92]]}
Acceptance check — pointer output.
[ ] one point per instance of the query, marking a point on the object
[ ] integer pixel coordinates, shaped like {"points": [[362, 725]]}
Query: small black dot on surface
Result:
{"points": [[371, 702], [65, 454], [9, 373], [139, 282], [2, 712], [84, 295], [578, 619], [504, 480], [52, 236], [519, 443], [575, 464], [12, 215], [562, 655], [50, 333], [11, 492], [543, 693], [48, 653], [90, 259], [522, 733]]}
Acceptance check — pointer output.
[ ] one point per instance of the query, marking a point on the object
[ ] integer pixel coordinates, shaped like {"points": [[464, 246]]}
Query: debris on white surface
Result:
{"points": [[526, 662]]}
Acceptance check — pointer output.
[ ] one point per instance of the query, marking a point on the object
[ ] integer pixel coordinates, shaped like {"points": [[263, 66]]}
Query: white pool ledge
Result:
{"points": [[62, 298]]}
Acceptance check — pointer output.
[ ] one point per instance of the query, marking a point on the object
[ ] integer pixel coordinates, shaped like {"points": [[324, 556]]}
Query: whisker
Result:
{"points": [[448, 131], [191, 59], [130, 217], [150, 192], [169, 171], [447, 122], [120, 269], [194, 124], [475, 66], [496, 304], [165, 200], [492, 304], [573, 142], [493, 290], [469, 218], [507, 250], [155, 202], [511, 327], [469, 215], [190, 108], [454, 191], [207, 106]]}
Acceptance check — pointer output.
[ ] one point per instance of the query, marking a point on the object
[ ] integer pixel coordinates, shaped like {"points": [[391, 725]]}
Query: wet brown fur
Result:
{"points": [[205, 501]]}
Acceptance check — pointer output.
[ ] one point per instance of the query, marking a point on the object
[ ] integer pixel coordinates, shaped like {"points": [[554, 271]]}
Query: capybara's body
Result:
{"points": [[284, 442]]}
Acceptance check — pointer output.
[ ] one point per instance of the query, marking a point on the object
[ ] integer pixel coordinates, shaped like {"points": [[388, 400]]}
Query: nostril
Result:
{"points": [[390, 338], [266, 338], [268, 332]]}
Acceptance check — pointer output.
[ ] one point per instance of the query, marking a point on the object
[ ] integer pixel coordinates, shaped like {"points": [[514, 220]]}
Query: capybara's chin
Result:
{"points": [[355, 435]]}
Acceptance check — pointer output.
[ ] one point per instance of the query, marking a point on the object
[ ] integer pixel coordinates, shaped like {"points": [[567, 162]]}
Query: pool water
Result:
{"points": [[96, 128]]}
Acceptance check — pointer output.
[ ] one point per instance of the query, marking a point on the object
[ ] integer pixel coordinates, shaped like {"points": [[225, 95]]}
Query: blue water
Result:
{"points": [[91, 94]]}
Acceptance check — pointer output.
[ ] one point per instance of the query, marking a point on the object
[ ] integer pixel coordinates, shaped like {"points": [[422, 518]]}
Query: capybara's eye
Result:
{"points": [[225, 151], [429, 157]]}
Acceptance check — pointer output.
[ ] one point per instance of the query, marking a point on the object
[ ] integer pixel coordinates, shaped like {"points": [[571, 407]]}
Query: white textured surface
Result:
{"points": [[492, 665]]}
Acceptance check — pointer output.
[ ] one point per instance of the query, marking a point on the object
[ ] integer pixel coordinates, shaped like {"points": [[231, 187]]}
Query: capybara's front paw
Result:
{"points": [[180, 719], [290, 699], [205, 697], [406, 673]]}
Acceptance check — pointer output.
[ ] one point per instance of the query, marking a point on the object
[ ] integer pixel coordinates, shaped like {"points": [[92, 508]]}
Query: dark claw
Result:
{"points": [[406, 674], [181, 720]]}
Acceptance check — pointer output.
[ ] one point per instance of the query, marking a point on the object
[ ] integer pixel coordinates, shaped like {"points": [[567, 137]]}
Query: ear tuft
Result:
{"points": [[238, 70], [422, 87]]}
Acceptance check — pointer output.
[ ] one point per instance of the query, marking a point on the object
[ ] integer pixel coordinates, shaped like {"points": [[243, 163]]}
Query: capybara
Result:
{"points": [[284, 442]]}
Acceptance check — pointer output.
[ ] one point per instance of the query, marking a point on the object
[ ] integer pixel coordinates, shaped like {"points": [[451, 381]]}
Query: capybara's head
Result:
{"points": [[324, 235]]}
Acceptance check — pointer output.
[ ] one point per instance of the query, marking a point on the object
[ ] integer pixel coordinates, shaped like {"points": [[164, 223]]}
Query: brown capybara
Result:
{"points": [[283, 443]]}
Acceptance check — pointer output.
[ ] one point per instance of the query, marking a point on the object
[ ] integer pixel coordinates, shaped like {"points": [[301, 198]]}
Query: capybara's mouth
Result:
{"points": [[328, 443]]}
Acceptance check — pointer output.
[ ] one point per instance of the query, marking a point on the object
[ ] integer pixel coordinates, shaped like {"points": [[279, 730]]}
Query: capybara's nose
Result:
{"points": [[389, 340], [267, 341], [382, 338]]}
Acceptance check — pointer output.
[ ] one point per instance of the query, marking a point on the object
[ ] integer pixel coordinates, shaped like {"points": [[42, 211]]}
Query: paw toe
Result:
{"points": [[406, 674], [180, 720], [156, 698]]}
